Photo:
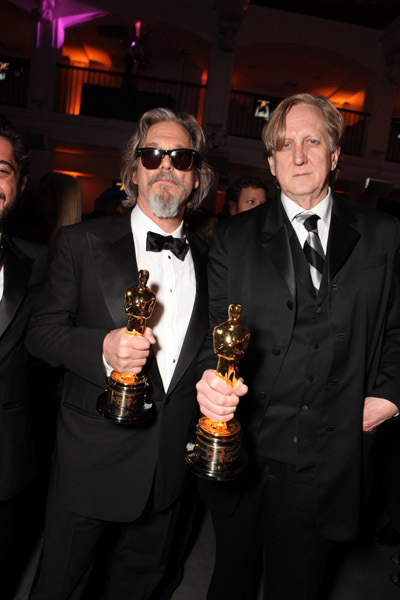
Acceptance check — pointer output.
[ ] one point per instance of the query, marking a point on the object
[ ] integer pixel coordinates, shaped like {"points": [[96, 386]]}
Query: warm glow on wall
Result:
{"points": [[73, 173], [76, 55], [82, 56], [349, 99], [98, 56], [354, 102]]}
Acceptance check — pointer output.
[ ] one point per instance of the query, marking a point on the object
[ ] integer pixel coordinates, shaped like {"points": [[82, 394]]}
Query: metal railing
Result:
{"points": [[393, 149], [243, 122], [112, 95], [90, 91]]}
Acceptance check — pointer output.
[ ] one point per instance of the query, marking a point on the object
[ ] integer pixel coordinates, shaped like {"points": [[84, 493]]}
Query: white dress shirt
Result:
{"points": [[174, 282], [323, 209]]}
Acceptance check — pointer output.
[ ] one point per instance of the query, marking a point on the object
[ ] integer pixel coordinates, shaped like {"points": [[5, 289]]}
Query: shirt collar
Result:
{"points": [[141, 224], [322, 209]]}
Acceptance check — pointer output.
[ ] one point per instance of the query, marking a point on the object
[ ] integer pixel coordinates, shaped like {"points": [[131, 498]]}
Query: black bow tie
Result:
{"points": [[156, 242]]}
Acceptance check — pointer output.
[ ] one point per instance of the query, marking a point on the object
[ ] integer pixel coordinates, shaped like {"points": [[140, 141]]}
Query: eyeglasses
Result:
{"points": [[182, 158]]}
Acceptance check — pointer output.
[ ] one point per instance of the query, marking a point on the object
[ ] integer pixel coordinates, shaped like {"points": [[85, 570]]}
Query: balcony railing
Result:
{"points": [[243, 122], [113, 95]]}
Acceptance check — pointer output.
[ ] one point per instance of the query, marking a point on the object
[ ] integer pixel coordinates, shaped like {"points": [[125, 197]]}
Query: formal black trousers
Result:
{"points": [[274, 520], [137, 563]]}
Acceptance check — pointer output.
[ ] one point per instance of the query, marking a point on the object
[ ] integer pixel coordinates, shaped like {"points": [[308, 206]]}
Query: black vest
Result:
{"points": [[290, 426]]}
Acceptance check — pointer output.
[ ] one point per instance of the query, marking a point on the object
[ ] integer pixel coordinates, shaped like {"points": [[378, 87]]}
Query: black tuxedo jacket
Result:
{"points": [[251, 264], [101, 469], [24, 269]]}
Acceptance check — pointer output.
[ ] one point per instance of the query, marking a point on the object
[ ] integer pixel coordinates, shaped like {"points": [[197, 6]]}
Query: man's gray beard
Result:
{"points": [[163, 206]]}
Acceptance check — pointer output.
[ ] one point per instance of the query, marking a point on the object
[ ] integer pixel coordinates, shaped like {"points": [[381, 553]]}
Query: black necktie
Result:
{"points": [[156, 242], [313, 250]]}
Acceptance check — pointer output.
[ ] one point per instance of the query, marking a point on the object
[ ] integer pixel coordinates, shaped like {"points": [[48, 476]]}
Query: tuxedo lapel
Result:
{"points": [[199, 320], [116, 269], [17, 272], [342, 237], [275, 240]]}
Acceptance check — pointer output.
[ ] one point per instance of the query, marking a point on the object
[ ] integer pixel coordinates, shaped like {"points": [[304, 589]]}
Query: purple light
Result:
{"points": [[133, 44]]}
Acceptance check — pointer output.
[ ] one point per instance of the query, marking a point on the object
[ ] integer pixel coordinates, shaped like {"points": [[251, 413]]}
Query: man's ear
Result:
{"points": [[271, 162], [22, 184], [232, 207], [335, 158]]}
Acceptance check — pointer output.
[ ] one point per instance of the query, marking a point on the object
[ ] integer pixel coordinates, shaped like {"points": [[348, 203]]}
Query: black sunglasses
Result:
{"points": [[181, 158]]}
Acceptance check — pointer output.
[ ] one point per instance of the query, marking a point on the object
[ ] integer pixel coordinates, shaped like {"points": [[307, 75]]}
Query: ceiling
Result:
{"points": [[170, 49], [376, 14]]}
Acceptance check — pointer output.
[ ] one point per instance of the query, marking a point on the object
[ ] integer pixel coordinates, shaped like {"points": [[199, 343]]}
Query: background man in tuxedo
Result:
{"points": [[105, 472], [22, 268], [322, 301]]}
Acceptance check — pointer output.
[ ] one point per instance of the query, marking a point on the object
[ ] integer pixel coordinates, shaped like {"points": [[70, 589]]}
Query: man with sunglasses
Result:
{"points": [[131, 478]]}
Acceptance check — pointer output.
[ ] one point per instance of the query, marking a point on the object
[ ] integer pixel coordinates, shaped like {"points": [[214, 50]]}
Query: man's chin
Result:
{"points": [[165, 208]]}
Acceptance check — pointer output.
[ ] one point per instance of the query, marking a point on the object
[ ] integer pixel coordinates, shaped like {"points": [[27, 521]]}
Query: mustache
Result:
{"points": [[165, 176]]}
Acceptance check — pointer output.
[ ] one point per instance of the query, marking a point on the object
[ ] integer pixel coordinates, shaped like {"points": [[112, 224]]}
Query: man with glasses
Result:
{"points": [[105, 472]]}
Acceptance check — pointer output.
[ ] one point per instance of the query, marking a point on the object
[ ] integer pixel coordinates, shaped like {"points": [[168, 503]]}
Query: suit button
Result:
{"points": [[290, 305], [276, 351], [304, 407]]}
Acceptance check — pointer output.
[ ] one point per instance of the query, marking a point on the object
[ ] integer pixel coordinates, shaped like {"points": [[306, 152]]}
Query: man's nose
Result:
{"points": [[300, 155], [166, 162]]}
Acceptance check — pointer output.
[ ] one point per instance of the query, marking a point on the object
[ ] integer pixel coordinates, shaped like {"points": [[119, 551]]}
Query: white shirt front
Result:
{"points": [[323, 209], [174, 282]]}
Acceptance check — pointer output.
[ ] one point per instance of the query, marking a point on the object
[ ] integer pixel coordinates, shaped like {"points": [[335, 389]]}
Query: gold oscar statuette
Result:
{"points": [[215, 452], [124, 401]]}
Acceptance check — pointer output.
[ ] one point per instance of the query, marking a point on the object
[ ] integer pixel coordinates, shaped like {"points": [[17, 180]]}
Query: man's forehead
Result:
{"points": [[169, 131], [7, 153]]}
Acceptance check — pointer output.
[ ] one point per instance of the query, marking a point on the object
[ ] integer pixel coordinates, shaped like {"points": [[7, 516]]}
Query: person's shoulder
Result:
{"points": [[379, 229], [104, 227], [24, 248]]}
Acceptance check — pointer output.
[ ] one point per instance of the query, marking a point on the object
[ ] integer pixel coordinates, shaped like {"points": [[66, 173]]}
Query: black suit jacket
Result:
{"points": [[101, 469], [251, 264], [24, 269]]}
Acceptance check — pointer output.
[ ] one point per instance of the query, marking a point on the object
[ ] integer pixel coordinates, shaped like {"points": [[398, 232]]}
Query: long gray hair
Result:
{"points": [[130, 160]]}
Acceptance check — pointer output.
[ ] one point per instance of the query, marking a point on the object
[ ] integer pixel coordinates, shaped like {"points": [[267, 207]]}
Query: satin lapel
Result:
{"points": [[342, 237], [17, 272], [116, 268], [199, 320], [275, 240]]}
